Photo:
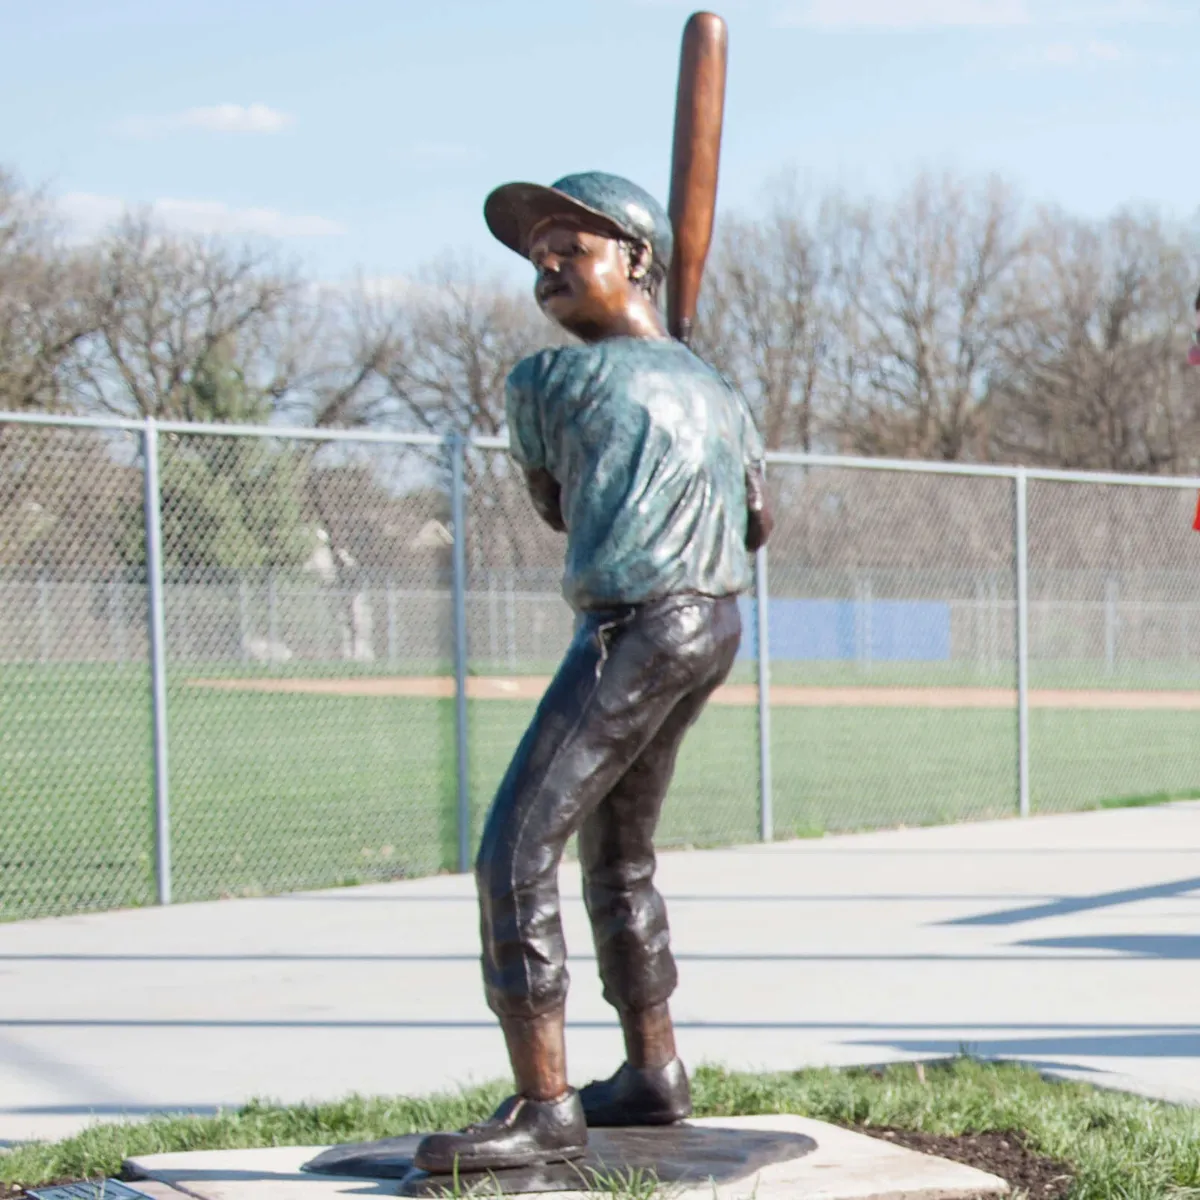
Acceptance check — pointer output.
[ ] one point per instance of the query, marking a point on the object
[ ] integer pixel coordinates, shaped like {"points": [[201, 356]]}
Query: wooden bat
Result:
{"points": [[695, 156]]}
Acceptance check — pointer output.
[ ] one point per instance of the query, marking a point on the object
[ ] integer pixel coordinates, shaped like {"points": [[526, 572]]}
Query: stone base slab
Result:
{"points": [[844, 1166]]}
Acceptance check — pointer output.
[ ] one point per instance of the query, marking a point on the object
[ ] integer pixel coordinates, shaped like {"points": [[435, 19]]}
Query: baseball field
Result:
{"points": [[311, 780]]}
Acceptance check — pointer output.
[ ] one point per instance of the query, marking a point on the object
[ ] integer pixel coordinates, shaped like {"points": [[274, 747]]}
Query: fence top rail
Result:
{"points": [[980, 470], [295, 432], [480, 442], [305, 433], [62, 421]]}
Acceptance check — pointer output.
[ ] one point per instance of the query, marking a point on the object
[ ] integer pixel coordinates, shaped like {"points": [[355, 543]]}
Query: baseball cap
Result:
{"points": [[608, 204]]}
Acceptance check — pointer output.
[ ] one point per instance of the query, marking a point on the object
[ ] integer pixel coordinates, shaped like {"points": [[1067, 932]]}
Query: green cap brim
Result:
{"points": [[514, 210]]}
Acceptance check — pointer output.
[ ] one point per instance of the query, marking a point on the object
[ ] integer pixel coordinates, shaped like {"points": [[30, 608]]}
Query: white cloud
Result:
{"points": [[214, 118], [965, 14], [236, 118], [90, 214]]}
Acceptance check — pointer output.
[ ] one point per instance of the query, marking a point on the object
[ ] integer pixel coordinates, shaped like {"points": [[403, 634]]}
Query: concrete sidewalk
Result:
{"points": [[1071, 942]]}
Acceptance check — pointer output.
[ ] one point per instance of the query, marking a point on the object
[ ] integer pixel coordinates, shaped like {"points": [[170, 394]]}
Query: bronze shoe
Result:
{"points": [[520, 1133], [639, 1096]]}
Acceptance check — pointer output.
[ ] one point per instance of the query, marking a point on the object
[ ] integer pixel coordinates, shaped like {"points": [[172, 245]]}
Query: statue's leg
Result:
{"points": [[629, 919], [623, 676]]}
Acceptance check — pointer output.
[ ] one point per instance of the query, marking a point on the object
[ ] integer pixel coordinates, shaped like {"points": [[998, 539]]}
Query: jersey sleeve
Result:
{"points": [[523, 412]]}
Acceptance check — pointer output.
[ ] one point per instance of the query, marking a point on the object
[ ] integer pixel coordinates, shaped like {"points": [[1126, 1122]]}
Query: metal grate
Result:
{"points": [[89, 1189]]}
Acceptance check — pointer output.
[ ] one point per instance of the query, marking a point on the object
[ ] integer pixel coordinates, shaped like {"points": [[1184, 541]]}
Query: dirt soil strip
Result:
{"points": [[531, 687], [1007, 1155]]}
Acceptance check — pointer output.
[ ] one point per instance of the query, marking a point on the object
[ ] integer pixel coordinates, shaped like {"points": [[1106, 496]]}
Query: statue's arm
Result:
{"points": [[759, 521], [546, 494]]}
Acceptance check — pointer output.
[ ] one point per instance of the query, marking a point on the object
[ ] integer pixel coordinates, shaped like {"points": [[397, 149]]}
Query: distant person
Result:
{"points": [[1194, 361]]}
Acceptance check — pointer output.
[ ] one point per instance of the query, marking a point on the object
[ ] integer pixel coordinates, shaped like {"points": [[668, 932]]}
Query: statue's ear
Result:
{"points": [[640, 259]]}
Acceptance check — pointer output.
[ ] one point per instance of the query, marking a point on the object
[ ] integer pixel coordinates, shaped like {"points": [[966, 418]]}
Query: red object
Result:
{"points": [[1196, 522], [1194, 355]]}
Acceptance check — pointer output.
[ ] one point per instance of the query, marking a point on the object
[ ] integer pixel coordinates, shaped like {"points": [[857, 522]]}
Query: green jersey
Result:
{"points": [[650, 447]]}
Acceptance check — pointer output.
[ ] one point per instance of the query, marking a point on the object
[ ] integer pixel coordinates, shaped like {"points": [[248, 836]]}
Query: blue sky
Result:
{"points": [[365, 134]]}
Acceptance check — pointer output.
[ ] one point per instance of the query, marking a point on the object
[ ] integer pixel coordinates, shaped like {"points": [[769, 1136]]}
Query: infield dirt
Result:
{"points": [[531, 687]]}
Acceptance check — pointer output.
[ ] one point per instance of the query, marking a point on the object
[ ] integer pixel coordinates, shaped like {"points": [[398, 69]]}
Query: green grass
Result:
{"points": [[271, 793], [1119, 1146], [1153, 801]]}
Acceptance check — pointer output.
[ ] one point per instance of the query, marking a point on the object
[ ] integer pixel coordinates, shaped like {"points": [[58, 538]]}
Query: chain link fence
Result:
{"points": [[239, 662], [304, 590], [891, 648], [1114, 610], [75, 777]]}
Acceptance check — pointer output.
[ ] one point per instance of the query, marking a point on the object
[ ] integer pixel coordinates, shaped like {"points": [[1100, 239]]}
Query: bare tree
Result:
{"points": [[929, 293], [43, 310], [943, 325], [1095, 377], [187, 328], [436, 356], [765, 319], [456, 336]]}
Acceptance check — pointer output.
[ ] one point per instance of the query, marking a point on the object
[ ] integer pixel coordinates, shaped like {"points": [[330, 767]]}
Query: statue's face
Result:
{"points": [[582, 278]]}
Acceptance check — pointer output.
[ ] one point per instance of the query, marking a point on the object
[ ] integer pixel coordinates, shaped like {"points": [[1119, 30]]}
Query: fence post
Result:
{"points": [[158, 661], [766, 812], [459, 586], [1022, 555]]}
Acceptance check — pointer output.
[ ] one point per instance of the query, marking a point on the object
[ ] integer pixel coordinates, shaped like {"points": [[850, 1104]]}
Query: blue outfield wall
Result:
{"points": [[832, 630]]}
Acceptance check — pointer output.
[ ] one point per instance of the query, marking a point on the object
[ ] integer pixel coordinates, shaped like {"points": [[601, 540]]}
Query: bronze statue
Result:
{"points": [[651, 464]]}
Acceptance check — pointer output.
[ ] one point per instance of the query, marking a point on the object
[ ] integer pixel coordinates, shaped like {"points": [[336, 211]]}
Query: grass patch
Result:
{"points": [[1120, 1146], [274, 793], [1152, 801]]}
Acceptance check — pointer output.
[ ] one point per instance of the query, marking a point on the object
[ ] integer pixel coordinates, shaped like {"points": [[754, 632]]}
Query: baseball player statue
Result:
{"points": [[651, 464]]}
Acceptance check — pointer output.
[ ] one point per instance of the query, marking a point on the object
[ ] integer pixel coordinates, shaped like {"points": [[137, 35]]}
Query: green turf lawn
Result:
{"points": [[271, 793], [1116, 1147]]}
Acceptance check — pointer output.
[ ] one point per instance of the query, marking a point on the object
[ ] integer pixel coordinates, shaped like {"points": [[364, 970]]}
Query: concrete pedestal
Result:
{"points": [[728, 1158]]}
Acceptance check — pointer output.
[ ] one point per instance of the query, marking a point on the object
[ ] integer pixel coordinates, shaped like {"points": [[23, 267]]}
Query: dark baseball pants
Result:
{"points": [[597, 760]]}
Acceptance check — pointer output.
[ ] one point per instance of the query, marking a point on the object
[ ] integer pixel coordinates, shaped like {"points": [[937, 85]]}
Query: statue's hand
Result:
{"points": [[759, 521], [546, 494]]}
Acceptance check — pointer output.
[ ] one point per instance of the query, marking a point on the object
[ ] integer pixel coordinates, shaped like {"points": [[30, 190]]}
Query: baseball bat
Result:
{"points": [[695, 157]]}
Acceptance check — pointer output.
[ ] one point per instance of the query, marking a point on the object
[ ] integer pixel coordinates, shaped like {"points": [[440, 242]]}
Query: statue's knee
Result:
{"points": [[613, 880], [492, 867]]}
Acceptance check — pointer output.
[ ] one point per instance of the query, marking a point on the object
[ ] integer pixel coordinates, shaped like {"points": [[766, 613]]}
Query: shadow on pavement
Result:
{"points": [[1178, 946], [1117, 1045], [1077, 904]]}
